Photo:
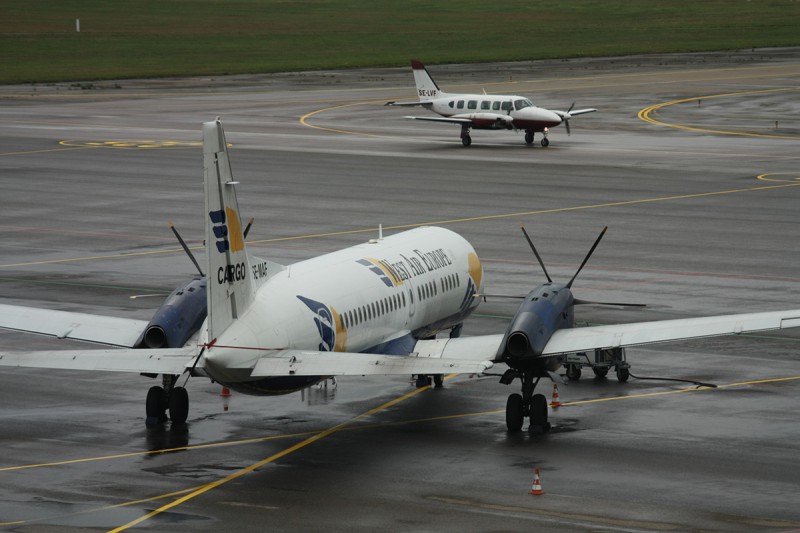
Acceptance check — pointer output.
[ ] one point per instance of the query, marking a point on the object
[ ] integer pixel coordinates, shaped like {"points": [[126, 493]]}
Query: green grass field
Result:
{"points": [[151, 38]]}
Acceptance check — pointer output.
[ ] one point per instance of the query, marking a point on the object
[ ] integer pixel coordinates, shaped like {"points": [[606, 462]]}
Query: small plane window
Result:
{"points": [[486, 104], [460, 104], [496, 106], [506, 106], [522, 103], [472, 104], [452, 103]]}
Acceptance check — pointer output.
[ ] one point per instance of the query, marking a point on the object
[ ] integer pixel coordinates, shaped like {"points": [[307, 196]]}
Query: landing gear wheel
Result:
{"points": [[423, 381], [600, 372], [623, 374], [466, 140], [514, 413], [178, 405], [438, 380], [539, 413], [528, 137], [573, 372], [156, 405], [545, 143]]}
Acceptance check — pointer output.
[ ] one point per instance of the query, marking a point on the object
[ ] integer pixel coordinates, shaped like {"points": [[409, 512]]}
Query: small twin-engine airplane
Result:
{"points": [[373, 309], [485, 111]]}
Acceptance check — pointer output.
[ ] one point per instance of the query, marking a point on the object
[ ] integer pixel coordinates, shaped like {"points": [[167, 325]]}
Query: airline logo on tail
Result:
{"points": [[228, 238]]}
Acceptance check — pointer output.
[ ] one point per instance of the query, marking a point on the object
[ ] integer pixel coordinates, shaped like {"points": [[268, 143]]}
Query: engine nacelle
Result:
{"points": [[180, 316]]}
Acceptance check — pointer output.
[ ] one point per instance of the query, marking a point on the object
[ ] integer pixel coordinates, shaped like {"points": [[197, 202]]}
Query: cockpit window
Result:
{"points": [[521, 103]]}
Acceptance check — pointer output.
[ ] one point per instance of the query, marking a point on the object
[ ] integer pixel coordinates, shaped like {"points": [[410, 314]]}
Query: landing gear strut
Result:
{"points": [[527, 404], [167, 397]]}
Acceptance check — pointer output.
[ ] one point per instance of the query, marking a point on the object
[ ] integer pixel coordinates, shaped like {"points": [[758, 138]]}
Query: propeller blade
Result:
{"points": [[186, 248], [618, 304], [585, 259], [247, 228], [530, 242], [570, 108], [566, 124]]}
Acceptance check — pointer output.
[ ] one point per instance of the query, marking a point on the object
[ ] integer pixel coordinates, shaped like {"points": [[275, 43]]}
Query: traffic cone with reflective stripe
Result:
{"points": [[225, 392], [536, 489], [555, 402]]}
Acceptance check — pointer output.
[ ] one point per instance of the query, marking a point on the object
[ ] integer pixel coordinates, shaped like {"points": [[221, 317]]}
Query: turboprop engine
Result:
{"points": [[178, 318]]}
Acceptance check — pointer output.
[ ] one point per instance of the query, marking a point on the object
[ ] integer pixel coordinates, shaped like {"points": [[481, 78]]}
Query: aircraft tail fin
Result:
{"points": [[230, 286], [426, 87]]}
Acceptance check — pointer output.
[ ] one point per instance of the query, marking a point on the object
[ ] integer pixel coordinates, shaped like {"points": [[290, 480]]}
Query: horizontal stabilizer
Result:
{"points": [[302, 363], [108, 330], [157, 361]]}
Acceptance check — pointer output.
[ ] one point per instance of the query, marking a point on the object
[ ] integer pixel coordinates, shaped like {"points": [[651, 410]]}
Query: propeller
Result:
{"points": [[566, 118], [530, 242], [186, 248], [585, 259]]}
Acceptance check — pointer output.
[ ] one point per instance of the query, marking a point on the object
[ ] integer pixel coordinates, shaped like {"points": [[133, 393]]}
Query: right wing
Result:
{"points": [[409, 104], [112, 331], [157, 361]]}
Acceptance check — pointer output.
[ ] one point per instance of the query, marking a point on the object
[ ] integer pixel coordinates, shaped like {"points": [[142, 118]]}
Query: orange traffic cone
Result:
{"points": [[555, 402], [537, 486], [225, 392]]}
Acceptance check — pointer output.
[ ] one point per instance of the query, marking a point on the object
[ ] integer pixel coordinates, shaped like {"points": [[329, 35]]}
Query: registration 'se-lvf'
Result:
{"points": [[485, 111], [374, 309]]}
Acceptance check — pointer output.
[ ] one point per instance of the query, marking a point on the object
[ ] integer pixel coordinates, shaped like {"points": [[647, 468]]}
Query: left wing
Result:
{"points": [[158, 361], [495, 120], [108, 330], [639, 333], [574, 113]]}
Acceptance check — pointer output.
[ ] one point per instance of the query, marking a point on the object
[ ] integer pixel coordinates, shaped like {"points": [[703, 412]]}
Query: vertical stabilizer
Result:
{"points": [[426, 87], [230, 285]]}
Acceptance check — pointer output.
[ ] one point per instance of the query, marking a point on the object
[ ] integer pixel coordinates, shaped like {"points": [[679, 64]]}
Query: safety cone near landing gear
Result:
{"points": [[536, 489], [555, 402], [225, 392]]}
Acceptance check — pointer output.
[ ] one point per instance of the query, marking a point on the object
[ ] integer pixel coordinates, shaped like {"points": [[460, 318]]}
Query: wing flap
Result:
{"points": [[108, 330], [160, 361], [620, 335]]}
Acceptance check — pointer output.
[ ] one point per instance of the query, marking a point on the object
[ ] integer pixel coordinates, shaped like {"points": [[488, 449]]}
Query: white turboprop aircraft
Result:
{"points": [[485, 111], [372, 309]]}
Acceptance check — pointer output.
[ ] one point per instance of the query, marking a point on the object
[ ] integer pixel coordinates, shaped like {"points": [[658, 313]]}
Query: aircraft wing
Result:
{"points": [[108, 330], [409, 104], [446, 120], [158, 361], [465, 355], [621, 335], [574, 113]]}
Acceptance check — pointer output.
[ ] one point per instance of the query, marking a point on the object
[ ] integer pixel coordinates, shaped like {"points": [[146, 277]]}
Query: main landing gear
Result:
{"points": [[527, 404], [466, 140], [170, 398], [529, 138]]}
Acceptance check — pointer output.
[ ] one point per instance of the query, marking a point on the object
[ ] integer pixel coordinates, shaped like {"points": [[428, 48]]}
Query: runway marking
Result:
{"points": [[319, 436], [125, 255], [304, 118], [768, 177], [645, 113], [132, 143]]}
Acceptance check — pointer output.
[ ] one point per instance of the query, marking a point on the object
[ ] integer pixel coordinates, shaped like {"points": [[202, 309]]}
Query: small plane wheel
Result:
{"points": [[178, 405], [438, 380], [156, 403], [466, 140], [539, 412], [528, 137], [545, 143], [600, 372], [573, 372], [423, 381], [514, 413], [623, 374]]}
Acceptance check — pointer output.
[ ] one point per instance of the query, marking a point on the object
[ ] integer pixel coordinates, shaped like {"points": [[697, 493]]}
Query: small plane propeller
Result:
{"points": [[186, 248], [566, 118]]}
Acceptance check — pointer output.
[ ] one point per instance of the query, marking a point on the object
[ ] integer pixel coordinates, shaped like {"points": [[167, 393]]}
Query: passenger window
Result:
{"points": [[472, 104], [486, 104], [460, 104], [451, 103], [506, 106], [496, 106]]}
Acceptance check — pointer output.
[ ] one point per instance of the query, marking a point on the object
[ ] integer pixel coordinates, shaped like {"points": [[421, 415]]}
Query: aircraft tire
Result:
{"points": [[156, 403], [438, 380], [545, 142], [514, 413], [539, 411], [178, 405], [528, 137], [466, 140]]}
